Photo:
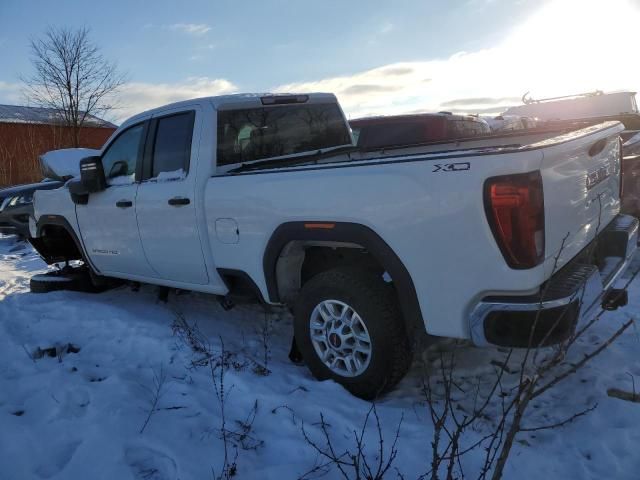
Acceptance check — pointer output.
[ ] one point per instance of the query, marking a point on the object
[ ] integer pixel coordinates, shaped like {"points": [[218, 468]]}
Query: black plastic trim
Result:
{"points": [[150, 140], [144, 171], [513, 329], [60, 221], [351, 233], [228, 274]]}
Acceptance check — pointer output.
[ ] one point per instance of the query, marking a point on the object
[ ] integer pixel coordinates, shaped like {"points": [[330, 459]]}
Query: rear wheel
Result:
{"points": [[348, 328]]}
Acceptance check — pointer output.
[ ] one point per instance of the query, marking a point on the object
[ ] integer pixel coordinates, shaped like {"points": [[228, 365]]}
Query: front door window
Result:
{"points": [[120, 159]]}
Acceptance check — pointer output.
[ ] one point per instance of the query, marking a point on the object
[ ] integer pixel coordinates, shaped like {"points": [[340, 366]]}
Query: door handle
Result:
{"points": [[124, 203], [177, 201]]}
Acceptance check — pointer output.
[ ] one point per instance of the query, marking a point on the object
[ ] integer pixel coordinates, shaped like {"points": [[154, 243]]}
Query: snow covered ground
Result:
{"points": [[79, 414]]}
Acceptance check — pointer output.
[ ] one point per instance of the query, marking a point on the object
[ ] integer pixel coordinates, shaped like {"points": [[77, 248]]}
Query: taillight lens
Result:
{"points": [[515, 209]]}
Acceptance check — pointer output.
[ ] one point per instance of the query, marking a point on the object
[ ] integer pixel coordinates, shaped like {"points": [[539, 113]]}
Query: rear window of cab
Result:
{"points": [[259, 133]]}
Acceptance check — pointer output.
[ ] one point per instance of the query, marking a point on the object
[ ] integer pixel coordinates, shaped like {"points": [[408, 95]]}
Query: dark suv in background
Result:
{"points": [[16, 206]]}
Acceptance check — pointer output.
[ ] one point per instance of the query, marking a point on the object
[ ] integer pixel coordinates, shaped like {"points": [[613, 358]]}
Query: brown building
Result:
{"points": [[28, 132]]}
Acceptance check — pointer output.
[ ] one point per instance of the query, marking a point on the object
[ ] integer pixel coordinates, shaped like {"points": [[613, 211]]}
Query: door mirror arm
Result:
{"points": [[79, 194]]}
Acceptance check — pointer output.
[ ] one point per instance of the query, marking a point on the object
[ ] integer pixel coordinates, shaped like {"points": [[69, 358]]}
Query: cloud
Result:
{"points": [[397, 70], [387, 28], [462, 102], [567, 59], [190, 28], [136, 97], [374, 90], [10, 93], [554, 52], [367, 89]]}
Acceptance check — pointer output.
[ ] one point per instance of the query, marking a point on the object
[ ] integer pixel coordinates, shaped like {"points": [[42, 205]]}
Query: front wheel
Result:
{"points": [[348, 328]]}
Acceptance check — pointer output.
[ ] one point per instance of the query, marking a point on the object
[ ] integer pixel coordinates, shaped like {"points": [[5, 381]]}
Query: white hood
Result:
{"points": [[64, 164]]}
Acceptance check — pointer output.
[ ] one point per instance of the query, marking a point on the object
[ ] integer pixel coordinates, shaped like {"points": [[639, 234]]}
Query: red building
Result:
{"points": [[28, 132]]}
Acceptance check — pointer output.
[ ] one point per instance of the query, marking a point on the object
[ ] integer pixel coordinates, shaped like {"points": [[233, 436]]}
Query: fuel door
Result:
{"points": [[227, 230]]}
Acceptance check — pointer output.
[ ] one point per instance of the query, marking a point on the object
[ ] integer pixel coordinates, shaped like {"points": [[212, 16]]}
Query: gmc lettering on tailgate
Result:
{"points": [[597, 176]]}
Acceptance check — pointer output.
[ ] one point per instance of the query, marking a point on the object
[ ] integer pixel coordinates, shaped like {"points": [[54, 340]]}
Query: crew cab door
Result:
{"points": [[108, 222], [166, 200]]}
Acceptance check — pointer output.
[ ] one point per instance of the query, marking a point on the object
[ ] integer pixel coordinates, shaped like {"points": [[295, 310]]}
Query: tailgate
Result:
{"points": [[581, 181]]}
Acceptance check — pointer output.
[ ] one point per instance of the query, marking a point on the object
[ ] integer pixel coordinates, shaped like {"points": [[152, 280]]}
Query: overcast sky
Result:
{"points": [[378, 56]]}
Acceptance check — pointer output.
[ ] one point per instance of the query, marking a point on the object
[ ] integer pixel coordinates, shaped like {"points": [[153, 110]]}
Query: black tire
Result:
{"points": [[376, 304], [77, 279]]}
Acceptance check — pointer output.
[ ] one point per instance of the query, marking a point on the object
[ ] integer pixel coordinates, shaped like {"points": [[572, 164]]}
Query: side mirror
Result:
{"points": [[92, 175]]}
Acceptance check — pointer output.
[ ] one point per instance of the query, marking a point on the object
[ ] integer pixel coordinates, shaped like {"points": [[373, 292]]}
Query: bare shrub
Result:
{"points": [[264, 332], [154, 393], [219, 362], [218, 370], [356, 462]]}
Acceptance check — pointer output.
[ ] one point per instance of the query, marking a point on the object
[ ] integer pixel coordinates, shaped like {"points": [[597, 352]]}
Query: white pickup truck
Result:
{"points": [[474, 239]]}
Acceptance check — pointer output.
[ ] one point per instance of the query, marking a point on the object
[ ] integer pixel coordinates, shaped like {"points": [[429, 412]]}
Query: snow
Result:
{"points": [[170, 176], [64, 163], [79, 415], [122, 180]]}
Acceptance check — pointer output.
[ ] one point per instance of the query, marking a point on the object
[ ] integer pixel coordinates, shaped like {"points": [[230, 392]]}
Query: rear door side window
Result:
{"points": [[172, 146]]}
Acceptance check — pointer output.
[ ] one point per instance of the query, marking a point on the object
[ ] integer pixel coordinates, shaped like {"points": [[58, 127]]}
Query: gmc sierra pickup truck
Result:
{"points": [[478, 239]]}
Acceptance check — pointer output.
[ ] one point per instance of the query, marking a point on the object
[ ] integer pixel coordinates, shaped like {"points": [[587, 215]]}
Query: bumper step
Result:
{"points": [[571, 296]]}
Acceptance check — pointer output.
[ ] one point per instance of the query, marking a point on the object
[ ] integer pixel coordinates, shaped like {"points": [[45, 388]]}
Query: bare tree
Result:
{"points": [[71, 77], [357, 462]]}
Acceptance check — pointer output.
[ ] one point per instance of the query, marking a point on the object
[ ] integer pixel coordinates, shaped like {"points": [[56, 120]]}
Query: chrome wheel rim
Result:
{"points": [[340, 338]]}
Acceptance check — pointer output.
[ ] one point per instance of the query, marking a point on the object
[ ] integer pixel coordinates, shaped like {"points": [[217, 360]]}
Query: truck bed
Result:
{"points": [[426, 202]]}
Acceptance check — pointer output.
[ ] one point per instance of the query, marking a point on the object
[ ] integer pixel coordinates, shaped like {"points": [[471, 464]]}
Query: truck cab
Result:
{"points": [[146, 222]]}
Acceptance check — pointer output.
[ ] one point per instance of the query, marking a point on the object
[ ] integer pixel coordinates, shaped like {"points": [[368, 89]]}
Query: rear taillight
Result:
{"points": [[515, 209]]}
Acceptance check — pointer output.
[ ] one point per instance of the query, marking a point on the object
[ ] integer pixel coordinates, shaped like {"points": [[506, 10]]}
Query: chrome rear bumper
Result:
{"points": [[573, 295]]}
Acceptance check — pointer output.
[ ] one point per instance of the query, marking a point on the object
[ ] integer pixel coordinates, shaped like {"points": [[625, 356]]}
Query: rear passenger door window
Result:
{"points": [[171, 150]]}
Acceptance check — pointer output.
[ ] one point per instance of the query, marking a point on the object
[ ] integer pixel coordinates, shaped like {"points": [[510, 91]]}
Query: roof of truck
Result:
{"points": [[233, 100]]}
